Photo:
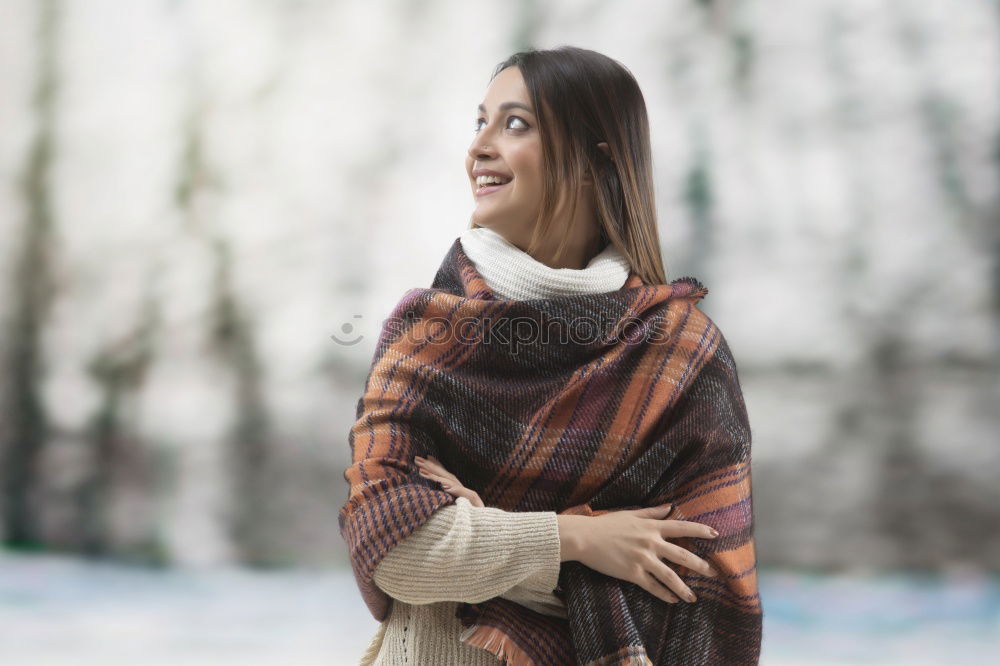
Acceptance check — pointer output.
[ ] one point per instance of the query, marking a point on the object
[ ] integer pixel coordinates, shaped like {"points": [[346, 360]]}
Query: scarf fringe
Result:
{"points": [[496, 643], [501, 646], [698, 290], [375, 646], [618, 659]]}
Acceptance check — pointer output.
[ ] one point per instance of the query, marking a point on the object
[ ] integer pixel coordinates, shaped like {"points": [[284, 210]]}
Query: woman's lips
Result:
{"points": [[490, 189]]}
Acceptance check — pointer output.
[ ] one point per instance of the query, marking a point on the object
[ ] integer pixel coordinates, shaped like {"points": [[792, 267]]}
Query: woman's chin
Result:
{"points": [[485, 216]]}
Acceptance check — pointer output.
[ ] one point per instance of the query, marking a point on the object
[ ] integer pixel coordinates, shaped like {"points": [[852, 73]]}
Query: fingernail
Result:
{"points": [[713, 532], [691, 597], [418, 458]]}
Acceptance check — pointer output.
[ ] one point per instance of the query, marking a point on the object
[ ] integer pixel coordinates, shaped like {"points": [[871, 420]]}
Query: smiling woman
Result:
{"points": [[509, 503], [522, 155], [507, 166]]}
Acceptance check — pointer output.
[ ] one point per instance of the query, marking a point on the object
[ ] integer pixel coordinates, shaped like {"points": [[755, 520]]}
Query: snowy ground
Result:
{"points": [[63, 611]]}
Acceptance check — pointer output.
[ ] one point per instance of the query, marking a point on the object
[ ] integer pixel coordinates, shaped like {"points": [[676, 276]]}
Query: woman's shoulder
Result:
{"points": [[696, 326]]}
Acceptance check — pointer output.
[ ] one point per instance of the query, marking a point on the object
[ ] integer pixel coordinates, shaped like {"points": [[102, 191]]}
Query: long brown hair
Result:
{"points": [[583, 97]]}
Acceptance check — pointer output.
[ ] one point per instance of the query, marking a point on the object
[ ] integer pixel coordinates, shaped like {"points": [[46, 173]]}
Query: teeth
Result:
{"points": [[490, 180]]}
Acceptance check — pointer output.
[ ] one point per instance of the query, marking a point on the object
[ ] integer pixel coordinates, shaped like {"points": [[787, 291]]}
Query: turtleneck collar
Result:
{"points": [[513, 274]]}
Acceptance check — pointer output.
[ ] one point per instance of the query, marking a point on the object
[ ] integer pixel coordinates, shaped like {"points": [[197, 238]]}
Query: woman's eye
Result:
{"points": [[520, 120]]}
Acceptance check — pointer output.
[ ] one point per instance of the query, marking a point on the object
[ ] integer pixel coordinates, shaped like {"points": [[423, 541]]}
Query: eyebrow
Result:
{"points": [[508, 105]]}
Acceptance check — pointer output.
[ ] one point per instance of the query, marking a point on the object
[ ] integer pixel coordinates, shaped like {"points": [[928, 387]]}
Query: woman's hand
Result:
{"points": [[431, 469], [628, 545], [632, 544]]}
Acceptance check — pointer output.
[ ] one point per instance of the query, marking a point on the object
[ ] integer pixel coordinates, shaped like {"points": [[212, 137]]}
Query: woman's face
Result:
{"points": [[506, 142]]}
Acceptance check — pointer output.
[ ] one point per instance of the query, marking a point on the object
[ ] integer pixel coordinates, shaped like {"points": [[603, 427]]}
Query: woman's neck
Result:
{"points": [[515, 275], [576, 254], [580, 247]]}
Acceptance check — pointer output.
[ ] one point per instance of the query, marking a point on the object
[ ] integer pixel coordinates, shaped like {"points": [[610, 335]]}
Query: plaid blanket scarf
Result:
{"points": [[581, 404]]}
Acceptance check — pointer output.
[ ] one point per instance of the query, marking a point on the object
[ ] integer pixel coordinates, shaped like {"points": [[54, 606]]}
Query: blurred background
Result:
{"points": [[196, 198]]}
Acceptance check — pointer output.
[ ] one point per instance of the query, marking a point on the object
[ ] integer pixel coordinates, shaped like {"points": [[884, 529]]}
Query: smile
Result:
{"points": [[483, 190]]}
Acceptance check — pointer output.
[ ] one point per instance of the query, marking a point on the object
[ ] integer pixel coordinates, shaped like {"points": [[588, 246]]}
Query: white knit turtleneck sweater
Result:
{"points": [[464, 553], [514, 274]]}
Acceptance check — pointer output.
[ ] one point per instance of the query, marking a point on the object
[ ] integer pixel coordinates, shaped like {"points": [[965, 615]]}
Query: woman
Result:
{"points": [[564, 223]]}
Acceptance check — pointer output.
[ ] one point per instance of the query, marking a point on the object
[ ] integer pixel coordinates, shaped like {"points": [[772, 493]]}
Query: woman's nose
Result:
{"points": [[482, 145], [479, 150]]}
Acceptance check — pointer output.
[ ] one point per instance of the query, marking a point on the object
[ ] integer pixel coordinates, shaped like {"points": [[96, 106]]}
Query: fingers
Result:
{"points": [[428, 471], [432, 465], [651, 584], [446, 484], [432, 469], [436, 473], [657, 511], [429, 460], [455, 490], [674, 553], [668, 577], [685, 528]]}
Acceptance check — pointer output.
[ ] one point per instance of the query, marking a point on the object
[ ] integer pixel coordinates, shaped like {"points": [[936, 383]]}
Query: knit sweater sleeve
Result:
{"points": [[471, 554]]}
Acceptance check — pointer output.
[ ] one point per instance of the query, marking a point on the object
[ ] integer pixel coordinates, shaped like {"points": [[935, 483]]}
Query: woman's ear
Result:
{"points": [[603, 145]]}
